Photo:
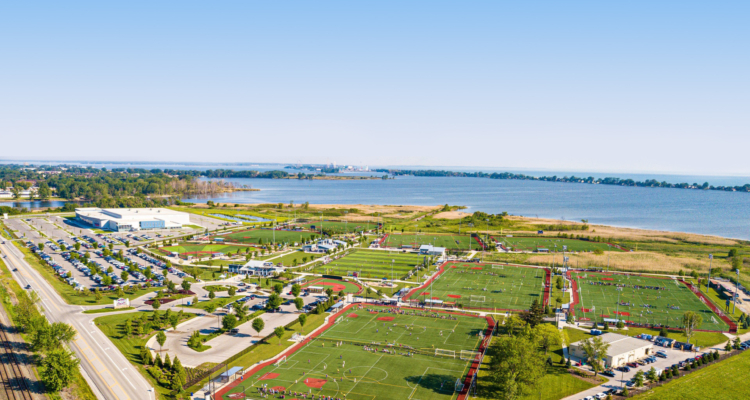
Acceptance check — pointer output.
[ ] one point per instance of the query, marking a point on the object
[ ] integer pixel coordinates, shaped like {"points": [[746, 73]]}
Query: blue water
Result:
{"points": [[242, 218], [708, 212]]}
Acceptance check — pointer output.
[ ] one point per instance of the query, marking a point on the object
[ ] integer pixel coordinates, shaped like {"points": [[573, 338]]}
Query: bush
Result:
{"points": [[663, 332]]}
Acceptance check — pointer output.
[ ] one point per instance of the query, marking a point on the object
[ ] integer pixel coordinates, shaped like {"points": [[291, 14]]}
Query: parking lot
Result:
{"points": [[621, 378], [226, 345]]}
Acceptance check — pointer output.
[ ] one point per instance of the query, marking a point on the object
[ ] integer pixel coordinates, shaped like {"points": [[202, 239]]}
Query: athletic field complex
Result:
{"points": [[201, 250], [372, 353], [642, 300], [485, 286], [462, 242], [254, 236], [339, 227], [372, 264]]}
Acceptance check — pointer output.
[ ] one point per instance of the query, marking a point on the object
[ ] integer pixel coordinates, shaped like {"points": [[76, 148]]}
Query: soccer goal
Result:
{"points": [[477, 299], [459, 385], [469, 355], [445, 353], [280, 361], [497, 267]]}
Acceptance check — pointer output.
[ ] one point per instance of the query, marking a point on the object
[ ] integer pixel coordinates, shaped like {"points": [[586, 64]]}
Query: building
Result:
{"points": [[430, 250], [132, 219], [256, 268], [328, 245], [315, 289], [622, 349]]}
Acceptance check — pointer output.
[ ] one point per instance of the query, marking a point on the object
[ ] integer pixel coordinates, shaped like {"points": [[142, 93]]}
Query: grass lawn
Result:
{"points": [[667, 300], [719, 299], [362, 374], [485, 286], [372, 264], [254, 236], [466, 242], [551, 243], [339, 227], [201, 250], [721, 381], [288, 259], [113, 326], [67, 292]]}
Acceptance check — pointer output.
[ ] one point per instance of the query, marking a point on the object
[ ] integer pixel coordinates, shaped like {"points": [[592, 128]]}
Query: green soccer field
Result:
{"points": [[337, 363], [267, 235], [638, 301], [372, 264], [338, 227], [204, 249], [551, 243], [462, 242], [485, 286]]}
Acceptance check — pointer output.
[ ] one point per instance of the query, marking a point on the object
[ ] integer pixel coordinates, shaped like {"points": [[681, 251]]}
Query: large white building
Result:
{"points": [[622, 349], [132, 219]]}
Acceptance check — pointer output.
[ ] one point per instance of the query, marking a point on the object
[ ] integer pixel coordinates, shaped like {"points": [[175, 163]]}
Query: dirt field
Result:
{"points": [[631, 261], [451, 215]]}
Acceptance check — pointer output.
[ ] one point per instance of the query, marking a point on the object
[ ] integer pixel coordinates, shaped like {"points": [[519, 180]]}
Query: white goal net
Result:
{"points": [[445, 353], [477, 299], [459, 385], [469, 355], [280, 361]]}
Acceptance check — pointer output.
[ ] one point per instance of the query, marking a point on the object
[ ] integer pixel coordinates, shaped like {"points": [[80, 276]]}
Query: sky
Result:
{"points": [[637, 86]]}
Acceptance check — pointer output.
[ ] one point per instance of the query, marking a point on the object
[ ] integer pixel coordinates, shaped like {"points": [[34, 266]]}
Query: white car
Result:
{"points": [[589, 398], [601, 395]]}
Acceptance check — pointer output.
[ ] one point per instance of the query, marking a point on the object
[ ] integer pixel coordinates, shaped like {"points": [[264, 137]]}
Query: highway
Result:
{"points": [[109, 373]]}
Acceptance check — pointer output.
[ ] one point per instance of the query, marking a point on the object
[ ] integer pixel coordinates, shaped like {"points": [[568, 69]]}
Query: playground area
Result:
{"points": [[335, 284], [638, 299], [265, 236], [461, 242], [372, 264], [485, 286], [203, 250], [372, 353], [551, 244]]}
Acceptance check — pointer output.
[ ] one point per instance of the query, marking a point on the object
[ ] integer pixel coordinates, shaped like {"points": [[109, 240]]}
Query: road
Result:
{"points": [[109, 373]]}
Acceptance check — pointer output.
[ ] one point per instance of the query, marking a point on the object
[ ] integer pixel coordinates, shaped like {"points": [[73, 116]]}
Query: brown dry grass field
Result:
{"points": [[636, 261], [451, 215]]}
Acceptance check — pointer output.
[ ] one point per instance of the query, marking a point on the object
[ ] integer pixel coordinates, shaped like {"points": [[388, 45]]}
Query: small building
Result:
{"points": [[255, 268], [622, 349], [315, 289], [542, 250], [310, 248], [430, 250]]}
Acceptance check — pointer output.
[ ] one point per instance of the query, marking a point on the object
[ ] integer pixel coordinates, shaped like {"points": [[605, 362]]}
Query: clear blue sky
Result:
{"points": [[595, 85]]}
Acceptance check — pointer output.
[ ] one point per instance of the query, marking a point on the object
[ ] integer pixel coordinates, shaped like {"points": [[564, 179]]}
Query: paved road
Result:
{"points": [[109, 373]]}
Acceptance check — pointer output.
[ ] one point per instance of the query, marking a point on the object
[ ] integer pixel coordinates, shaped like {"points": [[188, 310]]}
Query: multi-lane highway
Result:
{"points": [[108, 372]]}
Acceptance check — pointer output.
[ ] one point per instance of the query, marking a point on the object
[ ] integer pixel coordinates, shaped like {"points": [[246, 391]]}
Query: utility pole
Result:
{"points": [[708, 284], [736, 284]]}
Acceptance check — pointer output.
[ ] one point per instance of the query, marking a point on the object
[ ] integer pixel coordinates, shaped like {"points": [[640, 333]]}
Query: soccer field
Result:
{"points": [[338, 227], [267, 235], [551, 243], [370, 355], [372, 264], [185, 249], [463, 242], [485, 286], [642, 300]]}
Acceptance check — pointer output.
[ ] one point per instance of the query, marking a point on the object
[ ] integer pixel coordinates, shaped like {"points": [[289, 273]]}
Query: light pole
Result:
{"points": [[708, 284], [734, 307]]}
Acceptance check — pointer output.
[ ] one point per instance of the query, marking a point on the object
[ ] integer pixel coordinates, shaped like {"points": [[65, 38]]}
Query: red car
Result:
{"points": [[633, 365]]}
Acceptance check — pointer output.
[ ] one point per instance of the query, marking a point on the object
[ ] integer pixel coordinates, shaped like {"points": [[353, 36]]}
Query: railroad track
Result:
{"points": [[15, 384]]}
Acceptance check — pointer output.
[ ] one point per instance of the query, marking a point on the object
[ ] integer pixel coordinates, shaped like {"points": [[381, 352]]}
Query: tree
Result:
{"points": [[368, 291], [279, 332], [240, 310], [296, 289], [514, 324], [174, 319], [124, 275], [232, 290], [691, 320], [47, 337], [161, 338], [535, 315], [728, 347], [40, 246], [302, 320], [274, 301], [299, 303], [229, 322], [548, 336], [58, 369], [156, 304], [329, 292], [258, 325], [596, 351], [515, 367], [736, 343], [638, 378], [651, 375], [211, 295], [732, 253], [278, 288], [77, 246]]}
